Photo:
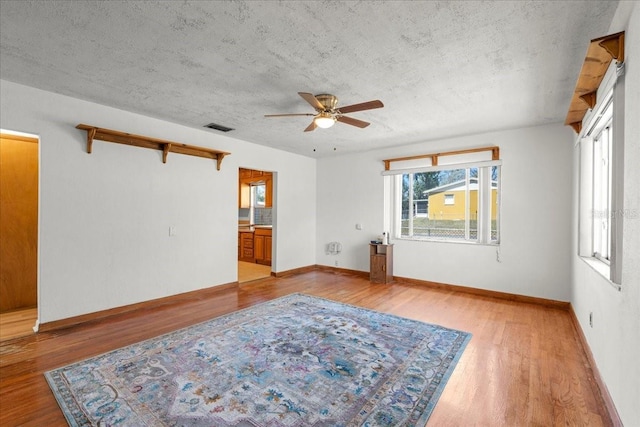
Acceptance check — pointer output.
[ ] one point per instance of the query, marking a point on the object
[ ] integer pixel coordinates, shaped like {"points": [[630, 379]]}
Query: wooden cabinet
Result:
{"points": [[245, 252], [247, 177], [244, 195], [258, 247], [251, 173], [255, 246], [262, 245], [268, 203], [268, 242], [381, 263]]}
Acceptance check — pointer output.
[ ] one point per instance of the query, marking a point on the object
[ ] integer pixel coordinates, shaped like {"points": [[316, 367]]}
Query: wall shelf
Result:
{"points": [[600, 53], [166, 147], [495, 155]]}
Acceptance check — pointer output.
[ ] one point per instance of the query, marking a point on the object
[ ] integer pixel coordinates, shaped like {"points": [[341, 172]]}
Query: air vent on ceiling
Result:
{"points": [[218, 127]]}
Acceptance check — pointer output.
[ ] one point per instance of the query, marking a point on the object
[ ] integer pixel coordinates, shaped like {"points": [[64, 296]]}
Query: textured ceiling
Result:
{"points": [[441, 68]]}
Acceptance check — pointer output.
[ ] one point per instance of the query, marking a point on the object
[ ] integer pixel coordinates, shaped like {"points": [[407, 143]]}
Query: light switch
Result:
{"points": [[358, 226], [172, 231]]}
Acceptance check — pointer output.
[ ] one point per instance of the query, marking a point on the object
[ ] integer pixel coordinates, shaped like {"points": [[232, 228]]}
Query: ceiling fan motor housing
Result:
{"points": [[329, 102]]}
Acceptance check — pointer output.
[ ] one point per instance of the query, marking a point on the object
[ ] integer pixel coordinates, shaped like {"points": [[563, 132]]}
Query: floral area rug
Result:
{"points": [[294, 361]]}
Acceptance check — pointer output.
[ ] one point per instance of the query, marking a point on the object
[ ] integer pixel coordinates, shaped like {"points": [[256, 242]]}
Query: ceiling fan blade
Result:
{"points": [[361, 107], [312, 126], [288, 115], [311, 100], [353, 122]]}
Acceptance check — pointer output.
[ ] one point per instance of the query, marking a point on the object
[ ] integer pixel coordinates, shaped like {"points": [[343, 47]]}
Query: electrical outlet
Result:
{"points": [[336, 263], [591, 319]]}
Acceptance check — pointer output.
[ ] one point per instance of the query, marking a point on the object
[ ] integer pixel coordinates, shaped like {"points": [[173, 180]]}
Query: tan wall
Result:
{"points": [[438, 210], [18, 222]]}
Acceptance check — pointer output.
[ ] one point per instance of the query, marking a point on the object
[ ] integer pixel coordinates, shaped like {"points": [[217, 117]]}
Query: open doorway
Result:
{"points": [[256, 208], [19, 166]]}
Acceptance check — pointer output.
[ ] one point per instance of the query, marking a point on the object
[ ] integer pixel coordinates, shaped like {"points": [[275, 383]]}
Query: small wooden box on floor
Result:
{"points": [[381, 263]]}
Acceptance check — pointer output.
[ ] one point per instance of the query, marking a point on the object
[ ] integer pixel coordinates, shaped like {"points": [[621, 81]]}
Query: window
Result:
{"points": [[256, 210], [601, 225], [461, 204], [597, 114], [258, 192], [600, 205]]}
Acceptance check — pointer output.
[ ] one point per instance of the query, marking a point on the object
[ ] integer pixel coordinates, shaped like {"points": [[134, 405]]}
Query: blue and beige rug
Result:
{"points": [[294, 361]]}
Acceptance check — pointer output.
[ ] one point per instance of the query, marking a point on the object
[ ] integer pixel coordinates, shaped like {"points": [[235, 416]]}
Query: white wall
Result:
{"points": [[614, 338], [105, 217], [349, 193], [536, 215]]}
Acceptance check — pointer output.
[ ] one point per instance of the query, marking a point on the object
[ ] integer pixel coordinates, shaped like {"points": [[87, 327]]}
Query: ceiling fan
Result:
{"points": [[328, 112]]}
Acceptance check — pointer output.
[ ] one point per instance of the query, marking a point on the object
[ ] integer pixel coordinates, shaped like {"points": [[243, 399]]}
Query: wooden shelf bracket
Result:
{"points": [[165, 151], [91, 133], [166, 147]]}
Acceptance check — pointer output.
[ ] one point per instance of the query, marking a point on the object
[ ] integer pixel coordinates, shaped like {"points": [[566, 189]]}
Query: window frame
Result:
{"points": [[611, 103], [484, 203], [601, 189]]}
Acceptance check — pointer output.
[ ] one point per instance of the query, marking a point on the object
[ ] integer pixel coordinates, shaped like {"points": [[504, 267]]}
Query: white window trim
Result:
{"points": [[601, 268], [465, 165], [395, 209], [611, 90]]}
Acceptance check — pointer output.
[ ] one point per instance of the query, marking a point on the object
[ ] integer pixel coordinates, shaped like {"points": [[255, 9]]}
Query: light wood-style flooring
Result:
{"points": [[17, 323], [524, 365], [249, 271]]}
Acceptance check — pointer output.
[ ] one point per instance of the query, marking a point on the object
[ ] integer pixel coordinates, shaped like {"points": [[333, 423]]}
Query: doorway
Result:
{"points": [[19, 166], [256, 215]]}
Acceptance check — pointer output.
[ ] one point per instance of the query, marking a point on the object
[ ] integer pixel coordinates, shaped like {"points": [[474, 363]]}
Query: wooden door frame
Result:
{"points": [[274, 210]]}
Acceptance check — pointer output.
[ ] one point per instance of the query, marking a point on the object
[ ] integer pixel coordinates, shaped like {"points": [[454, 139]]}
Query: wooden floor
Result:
{"points": [[524, 365], [17, 323]]}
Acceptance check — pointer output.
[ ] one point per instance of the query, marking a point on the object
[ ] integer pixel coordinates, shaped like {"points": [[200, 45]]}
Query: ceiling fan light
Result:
{"points": [[324, 120]]}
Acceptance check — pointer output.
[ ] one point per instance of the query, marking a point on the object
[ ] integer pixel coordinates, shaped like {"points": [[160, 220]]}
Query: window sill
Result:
{"points": [[436, 240], [601, 268]]}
